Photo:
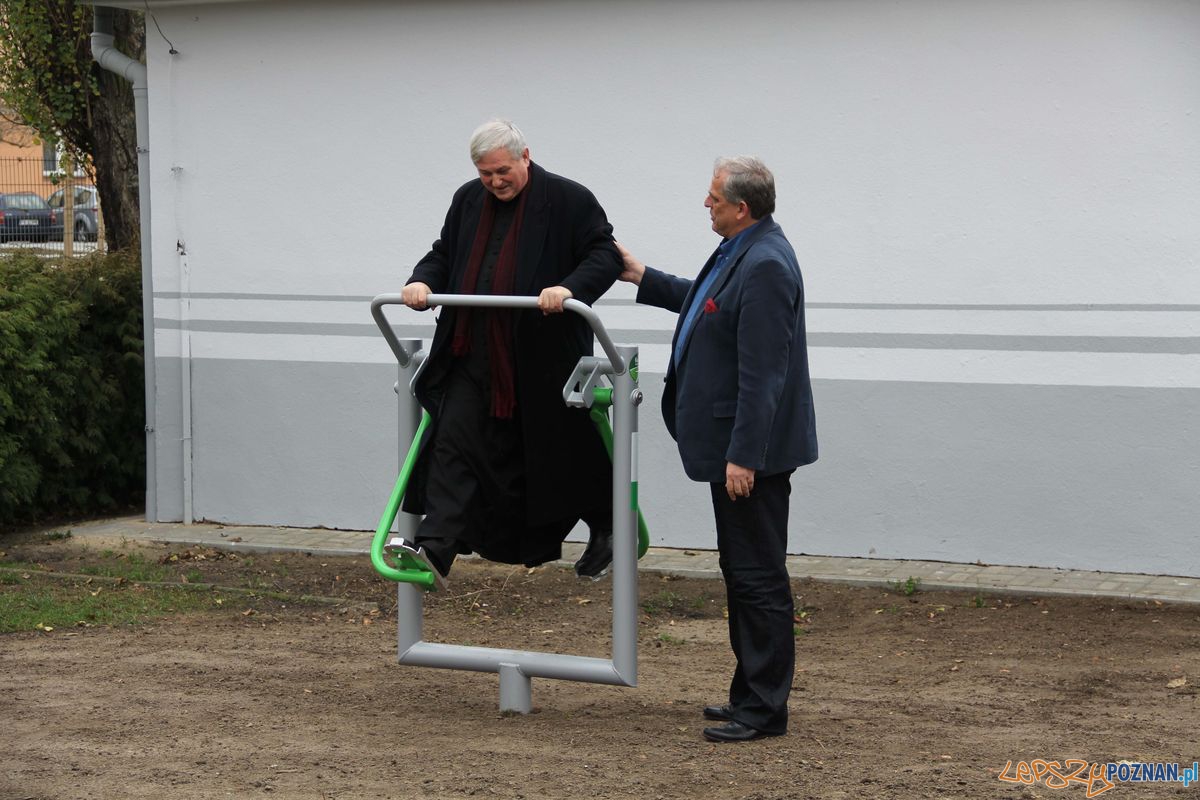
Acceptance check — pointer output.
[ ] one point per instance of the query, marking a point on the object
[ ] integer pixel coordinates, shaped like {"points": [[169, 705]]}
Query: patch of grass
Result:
{"points": [[38, 602], [669, 602], [978, 601], [131, 566], [907, 587], [55, 536], [666, 638]]}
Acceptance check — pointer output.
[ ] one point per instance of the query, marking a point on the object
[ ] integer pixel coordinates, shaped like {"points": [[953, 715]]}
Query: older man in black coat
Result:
{"points": [[508, 468]]}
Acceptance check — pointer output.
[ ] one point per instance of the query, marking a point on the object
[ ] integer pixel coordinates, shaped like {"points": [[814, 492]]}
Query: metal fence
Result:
{"points": [[47, 211]]}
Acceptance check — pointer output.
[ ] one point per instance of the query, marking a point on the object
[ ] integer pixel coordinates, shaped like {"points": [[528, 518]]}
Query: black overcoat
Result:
{"points": [[565, 240]]}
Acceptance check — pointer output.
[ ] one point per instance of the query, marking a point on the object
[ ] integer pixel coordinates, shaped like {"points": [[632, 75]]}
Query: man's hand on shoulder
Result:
{"points": [[550, 301], [632, 269], [414, 295]]}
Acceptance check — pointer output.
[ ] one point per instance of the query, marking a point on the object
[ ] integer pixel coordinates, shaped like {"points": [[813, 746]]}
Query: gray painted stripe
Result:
{"points": [[1044, 344], [290, 328], [1010, 307], [328, 298], [318, 298], [907, 341]]}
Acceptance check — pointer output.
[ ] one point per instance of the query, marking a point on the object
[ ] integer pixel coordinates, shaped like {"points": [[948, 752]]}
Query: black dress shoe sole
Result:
{"points": [[718, 713], [721, 736]]}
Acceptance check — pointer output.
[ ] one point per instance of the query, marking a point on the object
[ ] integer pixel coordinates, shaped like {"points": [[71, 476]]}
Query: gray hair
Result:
{"points": [[748, 179], [495, 134]]}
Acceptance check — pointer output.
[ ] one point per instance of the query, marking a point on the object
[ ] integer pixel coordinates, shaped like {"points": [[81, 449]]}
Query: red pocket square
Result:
{"points": [[709, 306]]}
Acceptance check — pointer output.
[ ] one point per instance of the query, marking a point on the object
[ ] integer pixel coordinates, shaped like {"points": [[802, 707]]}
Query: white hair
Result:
{"points": [[496, 134]]}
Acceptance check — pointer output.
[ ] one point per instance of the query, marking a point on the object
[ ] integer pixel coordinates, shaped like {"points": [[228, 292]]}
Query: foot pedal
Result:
{"points": [[415, 559]]}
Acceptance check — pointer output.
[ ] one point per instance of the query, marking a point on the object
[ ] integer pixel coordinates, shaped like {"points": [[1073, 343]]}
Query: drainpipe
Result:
{"points": [[111, 59]]}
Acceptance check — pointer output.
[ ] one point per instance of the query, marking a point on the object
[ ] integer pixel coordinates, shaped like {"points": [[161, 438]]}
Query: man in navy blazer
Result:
{"points": [[738, 402]]}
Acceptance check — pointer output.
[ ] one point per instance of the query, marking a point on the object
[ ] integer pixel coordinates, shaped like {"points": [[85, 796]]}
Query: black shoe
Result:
{"points": [[735, 732], [596, 557], [718, 712], [409, 551]]}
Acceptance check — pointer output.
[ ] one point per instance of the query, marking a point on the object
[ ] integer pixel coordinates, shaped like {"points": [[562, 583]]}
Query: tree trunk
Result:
{"points": [[114, 131]]}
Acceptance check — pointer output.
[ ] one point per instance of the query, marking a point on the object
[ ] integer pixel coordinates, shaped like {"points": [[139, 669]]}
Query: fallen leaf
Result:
{"points": [[249, 612], [583, 602], [1177, 683]]}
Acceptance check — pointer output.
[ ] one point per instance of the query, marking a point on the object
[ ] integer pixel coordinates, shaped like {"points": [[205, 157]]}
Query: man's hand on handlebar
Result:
{"points": [[415, 294], [550, 301]]}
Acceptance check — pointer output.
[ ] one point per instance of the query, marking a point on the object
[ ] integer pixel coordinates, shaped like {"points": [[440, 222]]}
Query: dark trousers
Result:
{"points": [[752, 543], [475, 488]]}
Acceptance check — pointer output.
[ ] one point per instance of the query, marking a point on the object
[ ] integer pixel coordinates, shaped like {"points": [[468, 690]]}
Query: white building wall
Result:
{"points": [[993, 202]]}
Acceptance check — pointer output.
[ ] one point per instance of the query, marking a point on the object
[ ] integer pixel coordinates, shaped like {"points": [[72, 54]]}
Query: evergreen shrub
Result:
{"points": [[72, 398]]}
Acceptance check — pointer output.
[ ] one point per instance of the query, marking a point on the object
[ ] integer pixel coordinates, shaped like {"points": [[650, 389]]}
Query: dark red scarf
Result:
{"points": [[498, 321]]}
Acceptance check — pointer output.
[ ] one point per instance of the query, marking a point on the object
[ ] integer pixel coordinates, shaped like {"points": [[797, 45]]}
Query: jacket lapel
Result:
{"points": [[534, 228], [472, 210], [687, 306]]}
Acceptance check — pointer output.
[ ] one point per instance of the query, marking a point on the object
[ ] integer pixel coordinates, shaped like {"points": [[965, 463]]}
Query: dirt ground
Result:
{"points": [[927, 695]]}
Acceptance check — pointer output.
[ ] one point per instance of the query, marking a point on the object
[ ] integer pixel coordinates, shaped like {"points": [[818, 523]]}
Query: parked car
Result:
{"points": [[85, 211], [24, 215]]}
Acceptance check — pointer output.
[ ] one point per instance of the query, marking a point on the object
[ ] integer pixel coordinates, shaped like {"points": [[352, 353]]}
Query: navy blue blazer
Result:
{"points": [[741, 392]]}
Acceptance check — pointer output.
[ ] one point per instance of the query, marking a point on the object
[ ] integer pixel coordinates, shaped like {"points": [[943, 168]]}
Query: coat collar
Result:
{"points": [[533, 230], [765, 225]]}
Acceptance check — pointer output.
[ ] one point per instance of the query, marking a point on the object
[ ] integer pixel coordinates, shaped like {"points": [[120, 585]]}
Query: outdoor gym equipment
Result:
{"points": [[583, 389]]}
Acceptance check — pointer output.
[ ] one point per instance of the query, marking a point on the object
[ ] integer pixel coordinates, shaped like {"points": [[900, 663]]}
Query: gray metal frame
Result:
{"points": [[516, 667]]}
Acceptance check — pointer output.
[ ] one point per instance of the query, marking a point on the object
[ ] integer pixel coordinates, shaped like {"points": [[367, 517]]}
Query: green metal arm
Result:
{"points": [[406, 571], [601, 400]]}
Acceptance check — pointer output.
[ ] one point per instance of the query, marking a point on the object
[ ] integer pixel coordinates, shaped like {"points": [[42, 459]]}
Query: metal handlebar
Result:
{"points": [[492, 301]]}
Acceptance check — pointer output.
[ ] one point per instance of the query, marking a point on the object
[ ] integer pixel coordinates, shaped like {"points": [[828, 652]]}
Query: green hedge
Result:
{"points": [[72, 404]]}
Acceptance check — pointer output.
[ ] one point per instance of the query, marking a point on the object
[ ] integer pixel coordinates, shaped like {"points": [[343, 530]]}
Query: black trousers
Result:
{"points": [[476, 483], [475, 494], [752, 546]]}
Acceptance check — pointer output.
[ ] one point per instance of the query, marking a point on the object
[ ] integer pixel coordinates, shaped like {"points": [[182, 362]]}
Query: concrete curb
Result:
{"points": [[932, 575]]}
